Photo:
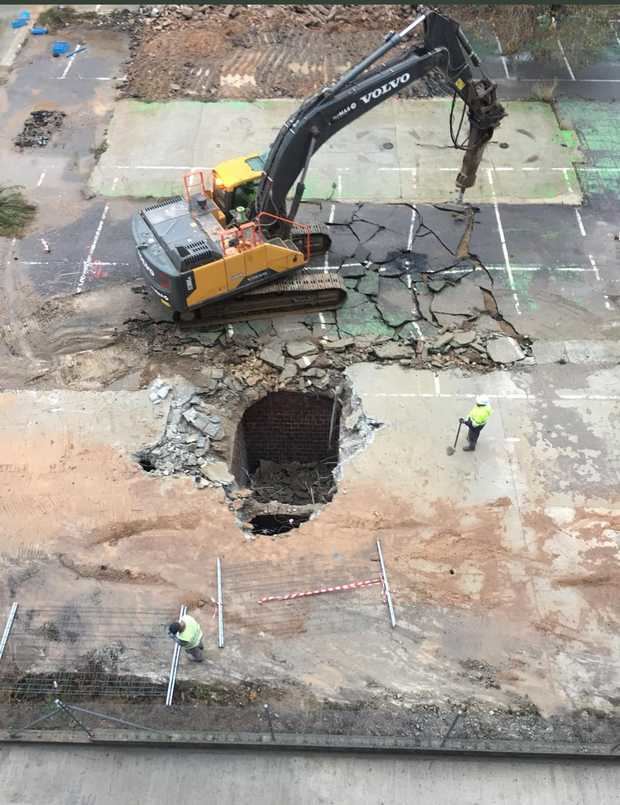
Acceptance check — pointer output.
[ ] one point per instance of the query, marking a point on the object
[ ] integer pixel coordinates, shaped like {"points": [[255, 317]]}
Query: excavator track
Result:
{"points": [[320, 239], [308, 291]]}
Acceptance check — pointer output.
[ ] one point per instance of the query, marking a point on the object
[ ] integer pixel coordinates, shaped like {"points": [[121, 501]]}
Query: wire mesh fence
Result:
{"points": [[91, 668], [85, 652]]}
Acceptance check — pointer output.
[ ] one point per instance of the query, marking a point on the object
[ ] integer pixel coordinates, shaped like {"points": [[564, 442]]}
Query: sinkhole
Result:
{"points": [[285, 451]]}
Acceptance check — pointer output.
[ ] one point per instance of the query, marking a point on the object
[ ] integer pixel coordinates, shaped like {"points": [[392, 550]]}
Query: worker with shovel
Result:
{"points": [[476, 420]]}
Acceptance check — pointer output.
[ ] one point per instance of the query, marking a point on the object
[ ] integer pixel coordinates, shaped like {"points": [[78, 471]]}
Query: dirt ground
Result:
{"points": [[250, 51]]}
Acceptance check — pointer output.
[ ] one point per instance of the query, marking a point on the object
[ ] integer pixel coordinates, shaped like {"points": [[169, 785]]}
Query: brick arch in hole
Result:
{"points": [[286, 426]]}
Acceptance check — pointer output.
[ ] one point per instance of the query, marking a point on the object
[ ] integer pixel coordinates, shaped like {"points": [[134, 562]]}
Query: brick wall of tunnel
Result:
{"points": [[283, 427]]}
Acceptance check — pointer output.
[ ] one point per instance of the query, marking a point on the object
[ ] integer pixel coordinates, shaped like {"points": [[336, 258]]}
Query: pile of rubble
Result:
{"points": [[195, 438], [230, 50], [293, 483], [39, 128]]}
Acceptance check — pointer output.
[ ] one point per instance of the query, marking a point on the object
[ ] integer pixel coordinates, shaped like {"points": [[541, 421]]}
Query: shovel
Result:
{"points": [[450, 450]]}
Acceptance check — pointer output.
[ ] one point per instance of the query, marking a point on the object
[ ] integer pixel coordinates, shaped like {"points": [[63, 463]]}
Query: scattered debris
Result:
{"points": [[39, 128], [294, 483], [218, 473]]}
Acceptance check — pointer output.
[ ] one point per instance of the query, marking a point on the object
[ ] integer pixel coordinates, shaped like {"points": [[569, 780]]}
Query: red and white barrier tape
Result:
{"points": [[354, 585]]}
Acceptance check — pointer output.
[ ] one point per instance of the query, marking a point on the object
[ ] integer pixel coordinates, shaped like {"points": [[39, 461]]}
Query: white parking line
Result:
{"points": [[41, 177], [594, 267], [89, 259], [569, 187], [70, 61], [330, 220], [500, 229], [339, 185], [162, 167], [414, 215], [501, 396], [502, 57], [568, 67], [580, 223], [559, 78]]}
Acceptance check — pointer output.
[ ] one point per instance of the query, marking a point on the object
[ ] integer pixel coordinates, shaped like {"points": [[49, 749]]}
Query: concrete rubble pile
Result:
{"points": [[39, 128], [293, 483]]}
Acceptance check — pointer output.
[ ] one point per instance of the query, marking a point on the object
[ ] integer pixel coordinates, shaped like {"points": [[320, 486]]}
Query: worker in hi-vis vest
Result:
{"points": [[476, 420], [188, 634]]}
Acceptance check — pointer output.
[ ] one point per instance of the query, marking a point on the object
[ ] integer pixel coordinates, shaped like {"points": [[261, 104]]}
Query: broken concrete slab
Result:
{"points": [[504, 350], [158, 391], [217, 472], [461, 299], [440, 342], [396, 266], [272, 357], [337, 345], [352, 271], [463, 337], [209, 338], [289, 372], [354, 299], [394, 301], [392, 351], [362, 319], [296, 349], [305, 361], [369, 284], [199, 420]]}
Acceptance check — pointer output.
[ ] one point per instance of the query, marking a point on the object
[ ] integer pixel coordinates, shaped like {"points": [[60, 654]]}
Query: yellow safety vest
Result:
{"points": [[479, 414], [191, 636]]}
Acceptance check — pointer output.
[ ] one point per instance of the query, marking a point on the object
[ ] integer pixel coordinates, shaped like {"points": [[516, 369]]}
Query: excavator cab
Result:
{"points": [[236, 181]]}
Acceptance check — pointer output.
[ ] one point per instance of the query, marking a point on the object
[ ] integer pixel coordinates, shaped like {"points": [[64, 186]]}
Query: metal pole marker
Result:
{"points": [[174, 665], [386, 586]]}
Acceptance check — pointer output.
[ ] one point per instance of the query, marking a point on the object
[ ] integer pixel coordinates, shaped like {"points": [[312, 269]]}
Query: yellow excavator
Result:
{"points": [[231, 246]]}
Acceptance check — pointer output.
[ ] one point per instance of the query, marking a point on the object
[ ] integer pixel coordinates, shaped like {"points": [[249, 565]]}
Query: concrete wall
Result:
{"points": [[56, 775]]}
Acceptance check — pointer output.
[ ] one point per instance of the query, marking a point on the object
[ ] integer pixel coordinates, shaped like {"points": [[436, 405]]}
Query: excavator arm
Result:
{"points": [[320, 117]]}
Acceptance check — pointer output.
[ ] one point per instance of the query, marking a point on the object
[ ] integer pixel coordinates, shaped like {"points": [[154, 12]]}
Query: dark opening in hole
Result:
{"points": [[451, 572], [146, 464], [286, 448], [277, 523]]}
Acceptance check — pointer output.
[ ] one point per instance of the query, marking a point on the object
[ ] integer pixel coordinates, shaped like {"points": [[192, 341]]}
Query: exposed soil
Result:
{"points": [[251, 51]]}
